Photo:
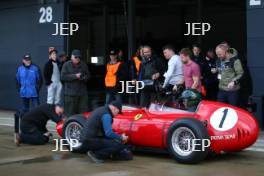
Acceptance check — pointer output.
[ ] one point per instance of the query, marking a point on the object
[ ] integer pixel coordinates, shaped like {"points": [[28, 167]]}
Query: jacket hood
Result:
{"points": [[232, 52]]}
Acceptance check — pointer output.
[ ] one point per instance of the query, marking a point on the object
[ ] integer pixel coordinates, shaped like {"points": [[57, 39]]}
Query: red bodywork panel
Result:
{"points": [[230, 128], [242, 135]]}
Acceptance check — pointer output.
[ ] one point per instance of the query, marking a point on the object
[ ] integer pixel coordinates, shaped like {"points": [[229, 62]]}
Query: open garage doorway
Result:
{"points": [[105, 23], [124, 24]]}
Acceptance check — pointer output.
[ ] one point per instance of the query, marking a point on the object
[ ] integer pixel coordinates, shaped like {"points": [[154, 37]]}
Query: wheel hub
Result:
{"points": [[73, 133], [182, 141]]}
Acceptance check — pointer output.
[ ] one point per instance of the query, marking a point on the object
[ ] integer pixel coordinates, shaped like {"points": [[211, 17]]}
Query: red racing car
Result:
{"points": [[215, 127]]}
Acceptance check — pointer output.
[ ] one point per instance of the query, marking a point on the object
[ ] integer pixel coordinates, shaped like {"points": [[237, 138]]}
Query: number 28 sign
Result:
{"points": [[224, 119]]}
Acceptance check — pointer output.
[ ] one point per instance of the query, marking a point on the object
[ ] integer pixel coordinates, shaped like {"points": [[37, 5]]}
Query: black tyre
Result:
{"points": [[72, 132], [179, 140]]}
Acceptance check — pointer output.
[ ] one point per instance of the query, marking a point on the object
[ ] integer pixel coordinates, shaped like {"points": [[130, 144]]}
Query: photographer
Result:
{"points": [[151, 69], [75, 75]]}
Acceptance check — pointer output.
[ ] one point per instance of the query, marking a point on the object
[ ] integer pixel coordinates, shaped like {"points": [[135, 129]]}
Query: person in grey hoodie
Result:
{"points": [[52, 78]]}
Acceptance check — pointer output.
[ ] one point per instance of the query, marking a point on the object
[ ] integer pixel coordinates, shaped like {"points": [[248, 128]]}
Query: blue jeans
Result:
{"points": [[29, 103], [229, 97]]}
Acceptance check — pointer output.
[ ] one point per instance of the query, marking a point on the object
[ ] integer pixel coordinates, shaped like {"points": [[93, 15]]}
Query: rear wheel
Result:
{"points": [[185, 140], [72, 132]]}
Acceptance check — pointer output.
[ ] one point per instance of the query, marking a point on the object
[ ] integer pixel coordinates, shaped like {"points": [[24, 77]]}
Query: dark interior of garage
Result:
{"points": [[125, 25], [104, 24]]}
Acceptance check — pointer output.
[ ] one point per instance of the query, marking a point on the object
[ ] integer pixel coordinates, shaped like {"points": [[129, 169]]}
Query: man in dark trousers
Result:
{"points": [[210, 76], [115, 72], [75, 75], [62, 59], [98, 138], [33, 124], [29, 81], [230, 72], [151, 70]]}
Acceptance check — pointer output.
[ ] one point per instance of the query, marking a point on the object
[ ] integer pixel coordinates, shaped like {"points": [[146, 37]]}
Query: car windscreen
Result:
{"points": [[156, 108]]}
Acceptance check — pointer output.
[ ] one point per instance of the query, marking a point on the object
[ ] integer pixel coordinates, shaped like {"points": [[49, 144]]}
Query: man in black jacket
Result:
{"points": [[63, 58], [151, 70], [210, 76], [33, 124], [52, 78], [198, 58], [98, 138], [75, 75]]}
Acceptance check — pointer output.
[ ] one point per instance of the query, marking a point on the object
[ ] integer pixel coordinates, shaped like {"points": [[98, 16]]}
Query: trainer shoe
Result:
{"points": [[48, 134], [94, 158]]}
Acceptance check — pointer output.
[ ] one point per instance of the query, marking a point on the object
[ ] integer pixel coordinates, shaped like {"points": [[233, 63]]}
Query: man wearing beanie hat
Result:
{"points": [[98, 138], [52, 78]]}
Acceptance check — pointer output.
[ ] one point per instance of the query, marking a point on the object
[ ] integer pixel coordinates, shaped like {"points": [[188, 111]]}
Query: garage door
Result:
{"points": [[26, 27]]}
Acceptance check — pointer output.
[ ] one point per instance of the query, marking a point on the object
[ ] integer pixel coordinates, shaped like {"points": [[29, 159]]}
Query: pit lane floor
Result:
{"points": [[29, 160]]}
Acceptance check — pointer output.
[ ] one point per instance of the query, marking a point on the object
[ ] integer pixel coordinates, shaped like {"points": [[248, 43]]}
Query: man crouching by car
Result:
{"points": [[98, 138], [33, 124]]}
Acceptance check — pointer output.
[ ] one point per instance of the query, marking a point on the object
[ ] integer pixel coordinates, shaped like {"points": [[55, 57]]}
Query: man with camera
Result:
{"points": [[151, 69], [75, 75]]}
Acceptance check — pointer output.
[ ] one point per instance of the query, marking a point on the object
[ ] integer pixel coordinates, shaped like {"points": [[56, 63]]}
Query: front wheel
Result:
{"points": [[72, 132], [188, 141]]}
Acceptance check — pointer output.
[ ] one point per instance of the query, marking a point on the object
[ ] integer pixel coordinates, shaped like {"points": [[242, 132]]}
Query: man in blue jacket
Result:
{"points": [[98, 138], [28, 78]]}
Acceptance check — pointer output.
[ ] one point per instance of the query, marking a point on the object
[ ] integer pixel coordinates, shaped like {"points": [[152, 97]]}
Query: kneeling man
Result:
{"points": [[33, 124], [98, 138]]}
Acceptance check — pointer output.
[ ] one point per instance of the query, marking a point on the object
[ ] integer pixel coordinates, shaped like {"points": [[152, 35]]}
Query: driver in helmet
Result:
{"points": [[190, 98]]}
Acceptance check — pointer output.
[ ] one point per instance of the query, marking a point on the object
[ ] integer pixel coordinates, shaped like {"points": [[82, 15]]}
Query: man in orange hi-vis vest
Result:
{"points": [[135, 64], [114, 73], [137, 61]]}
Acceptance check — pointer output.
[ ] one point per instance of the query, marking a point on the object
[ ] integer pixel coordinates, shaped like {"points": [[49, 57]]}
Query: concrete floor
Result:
{"points": [[40, 160]]}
